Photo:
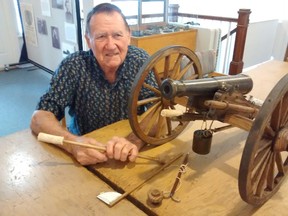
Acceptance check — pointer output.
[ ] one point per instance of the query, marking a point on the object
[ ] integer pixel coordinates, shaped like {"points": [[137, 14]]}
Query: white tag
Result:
{"points": [[108, 197]]}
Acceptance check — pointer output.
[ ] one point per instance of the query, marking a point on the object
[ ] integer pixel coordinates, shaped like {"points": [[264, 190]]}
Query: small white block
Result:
{"points": [[108, 197]]}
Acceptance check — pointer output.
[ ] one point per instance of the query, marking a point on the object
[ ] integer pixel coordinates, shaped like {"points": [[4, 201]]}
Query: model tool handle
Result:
{"points": [[59, 140]]}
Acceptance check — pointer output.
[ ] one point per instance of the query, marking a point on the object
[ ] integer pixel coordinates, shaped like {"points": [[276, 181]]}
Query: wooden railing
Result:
{"points": [[286, 55], [236, 65]]}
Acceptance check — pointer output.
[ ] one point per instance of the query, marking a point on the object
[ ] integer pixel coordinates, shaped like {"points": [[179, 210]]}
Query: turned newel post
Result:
{"points": [[236, 64]]}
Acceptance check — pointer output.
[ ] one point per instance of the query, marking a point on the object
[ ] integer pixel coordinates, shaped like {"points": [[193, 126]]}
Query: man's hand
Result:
{"points": [[87, 156], [119, 148]]}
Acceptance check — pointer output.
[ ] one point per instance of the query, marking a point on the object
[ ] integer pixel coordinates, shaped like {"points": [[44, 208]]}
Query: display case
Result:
{"points": [[139, 12], [150, 27], [153, 43]]}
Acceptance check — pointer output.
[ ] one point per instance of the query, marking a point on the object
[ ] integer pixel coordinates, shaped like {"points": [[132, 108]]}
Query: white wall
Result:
{"points": [[10, 44], [259, 42], [265, 40], [281, 40]]}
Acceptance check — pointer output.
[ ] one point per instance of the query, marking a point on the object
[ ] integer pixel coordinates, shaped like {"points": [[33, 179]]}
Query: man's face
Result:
{"points": [[108, 39]]}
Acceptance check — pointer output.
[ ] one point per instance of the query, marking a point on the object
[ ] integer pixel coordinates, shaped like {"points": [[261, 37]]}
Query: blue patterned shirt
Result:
{"points": [[93, 102]]}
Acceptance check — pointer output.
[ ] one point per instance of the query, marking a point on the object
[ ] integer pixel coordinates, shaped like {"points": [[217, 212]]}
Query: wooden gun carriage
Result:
{"points": [[182, 94]]}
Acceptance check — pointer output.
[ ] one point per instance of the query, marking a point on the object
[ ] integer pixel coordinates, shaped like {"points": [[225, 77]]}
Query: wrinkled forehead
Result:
{"points": [[104, 21]]}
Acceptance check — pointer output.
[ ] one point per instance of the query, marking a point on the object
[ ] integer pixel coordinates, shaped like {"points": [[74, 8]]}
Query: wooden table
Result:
{"points": [[39, 179], [210, 183]]}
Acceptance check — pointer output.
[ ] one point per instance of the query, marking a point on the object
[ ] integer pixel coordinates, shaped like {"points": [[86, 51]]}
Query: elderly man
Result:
{"points": [[95, 85]]}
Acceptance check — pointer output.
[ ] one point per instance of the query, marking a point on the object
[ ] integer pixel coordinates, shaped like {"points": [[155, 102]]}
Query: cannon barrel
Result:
{"points": [[172, 88]]}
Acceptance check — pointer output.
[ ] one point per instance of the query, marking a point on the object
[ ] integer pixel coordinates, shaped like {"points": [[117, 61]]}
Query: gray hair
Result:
{"points": [[104, 8]]}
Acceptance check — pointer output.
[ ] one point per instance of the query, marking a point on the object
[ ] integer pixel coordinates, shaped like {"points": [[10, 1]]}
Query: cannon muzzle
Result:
{"points": [[207, 86]]}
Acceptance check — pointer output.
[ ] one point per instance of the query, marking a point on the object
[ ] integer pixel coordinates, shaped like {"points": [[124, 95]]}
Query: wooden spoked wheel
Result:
{"points": [[149, 125], [264, 162]]}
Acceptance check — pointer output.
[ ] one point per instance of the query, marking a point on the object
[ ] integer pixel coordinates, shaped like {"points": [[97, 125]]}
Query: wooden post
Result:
{"points": [[236, 64], [172, 12], [286, 54]]}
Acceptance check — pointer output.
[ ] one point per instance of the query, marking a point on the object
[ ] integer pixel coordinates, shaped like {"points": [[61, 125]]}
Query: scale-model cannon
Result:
{"points": [[159, 111]]}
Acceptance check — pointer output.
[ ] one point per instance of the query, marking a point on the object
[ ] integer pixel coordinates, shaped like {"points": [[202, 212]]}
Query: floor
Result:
{"points": [[20, 90]]}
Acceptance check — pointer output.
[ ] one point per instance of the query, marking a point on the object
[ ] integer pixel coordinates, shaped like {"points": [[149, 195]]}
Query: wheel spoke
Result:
{"points": [[265, 148], [193, 76], [149, 112], [147, 101], [271, 174], [264, 175], [282, 168], [258, 171], [264, 144], [169, 126], [169, 122], [160, 127], [184, 70], [153, 118], [167, 66], [284, 120], [153, 89], [157, 76], [176, 67], [269, 132], [279, 163]]}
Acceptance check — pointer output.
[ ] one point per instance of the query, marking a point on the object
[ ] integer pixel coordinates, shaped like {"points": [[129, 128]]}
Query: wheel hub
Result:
{"points": [[281, 143]]}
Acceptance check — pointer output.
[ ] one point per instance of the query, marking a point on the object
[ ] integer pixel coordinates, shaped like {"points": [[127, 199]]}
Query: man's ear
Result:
{"points": [[87, 38]]}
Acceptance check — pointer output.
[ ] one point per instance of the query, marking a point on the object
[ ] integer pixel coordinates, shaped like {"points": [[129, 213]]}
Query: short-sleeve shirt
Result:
{"points": [[93, 102]]}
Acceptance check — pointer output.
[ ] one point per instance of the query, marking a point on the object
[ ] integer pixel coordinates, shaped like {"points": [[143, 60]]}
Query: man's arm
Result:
{"points": [[117, 148], [46, 122]]}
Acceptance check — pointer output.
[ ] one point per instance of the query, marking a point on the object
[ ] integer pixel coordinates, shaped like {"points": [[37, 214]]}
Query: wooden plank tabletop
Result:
{"points": [[265, 76], [210, 184], [40, 179]]}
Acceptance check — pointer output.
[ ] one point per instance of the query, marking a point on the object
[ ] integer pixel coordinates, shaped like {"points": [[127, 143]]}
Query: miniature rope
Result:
{"points": [[177, 183], [211, 124], [204, 121], [182, 169]]}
